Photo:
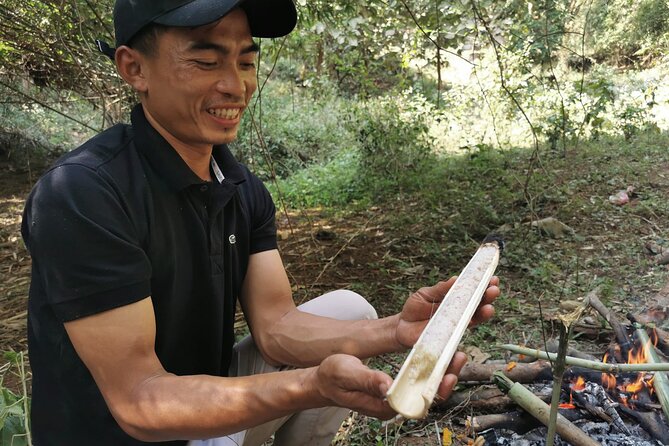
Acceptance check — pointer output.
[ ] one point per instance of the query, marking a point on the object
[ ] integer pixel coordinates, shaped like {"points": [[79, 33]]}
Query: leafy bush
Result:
{"points": [[300, 127], [392, 133], [333, 183], [625, 31]]}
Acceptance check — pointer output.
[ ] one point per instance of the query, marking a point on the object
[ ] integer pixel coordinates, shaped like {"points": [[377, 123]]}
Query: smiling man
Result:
{"points": [[145, 238]]}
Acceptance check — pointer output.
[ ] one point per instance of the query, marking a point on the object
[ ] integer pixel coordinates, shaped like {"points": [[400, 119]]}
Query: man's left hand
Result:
{"points": [[422, 304]]}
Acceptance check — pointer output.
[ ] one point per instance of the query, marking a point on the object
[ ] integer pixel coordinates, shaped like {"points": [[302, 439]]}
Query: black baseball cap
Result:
{"points": [[267, 18]]}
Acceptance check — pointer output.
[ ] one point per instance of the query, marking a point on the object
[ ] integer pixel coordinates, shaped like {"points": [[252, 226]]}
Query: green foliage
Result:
{"points": [[299, 127], [13, 408], [628, 31], [393, 133], [536, 28], [335, 183]]}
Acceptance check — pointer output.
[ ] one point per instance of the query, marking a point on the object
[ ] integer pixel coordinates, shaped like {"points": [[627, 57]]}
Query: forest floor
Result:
{"points": [[389, 249]]}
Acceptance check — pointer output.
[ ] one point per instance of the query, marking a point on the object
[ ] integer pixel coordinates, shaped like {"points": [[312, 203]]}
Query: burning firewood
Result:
{"points": [[649, 323], [593, 398], [416, 384]]}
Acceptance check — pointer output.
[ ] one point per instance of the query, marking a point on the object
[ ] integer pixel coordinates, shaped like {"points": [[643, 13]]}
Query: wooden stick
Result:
{"points": [[660, 381], [558, 373], [618, 328], [594, 365], [540, 410]]}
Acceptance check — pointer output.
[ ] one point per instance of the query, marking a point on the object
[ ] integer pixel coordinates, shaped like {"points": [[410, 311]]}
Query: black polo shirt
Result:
{"points": [[119, 219]]}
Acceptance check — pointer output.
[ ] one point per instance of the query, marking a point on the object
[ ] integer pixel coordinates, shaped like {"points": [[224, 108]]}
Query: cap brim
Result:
{"points": [[267, 18]]}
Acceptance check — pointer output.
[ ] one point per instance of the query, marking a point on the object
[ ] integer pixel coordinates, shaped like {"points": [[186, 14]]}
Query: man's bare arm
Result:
{"points": [[286, 335], [151, 404]]}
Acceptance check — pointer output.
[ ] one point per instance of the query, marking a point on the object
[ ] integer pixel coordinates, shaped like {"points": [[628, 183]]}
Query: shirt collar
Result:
{"points": [[167, 162]]}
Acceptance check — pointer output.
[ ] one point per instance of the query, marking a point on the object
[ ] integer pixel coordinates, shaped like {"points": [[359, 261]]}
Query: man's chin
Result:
{"points": [[224, 138]]}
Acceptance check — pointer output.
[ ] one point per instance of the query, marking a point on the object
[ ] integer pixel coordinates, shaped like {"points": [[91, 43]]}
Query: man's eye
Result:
{"points": [[205, 63], [249, 65]]}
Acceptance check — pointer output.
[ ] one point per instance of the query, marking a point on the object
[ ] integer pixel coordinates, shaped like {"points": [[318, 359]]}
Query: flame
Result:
{"points": [[638, 355], [577, 385], [626, 391], [608, 380], [636, 386]]}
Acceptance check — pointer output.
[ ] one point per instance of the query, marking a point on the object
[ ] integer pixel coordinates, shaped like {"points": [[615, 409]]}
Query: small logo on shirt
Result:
{"points": [[232, 239]]}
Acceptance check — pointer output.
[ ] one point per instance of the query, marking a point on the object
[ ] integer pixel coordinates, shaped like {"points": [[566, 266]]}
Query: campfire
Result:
{"points": [[624, 402]]}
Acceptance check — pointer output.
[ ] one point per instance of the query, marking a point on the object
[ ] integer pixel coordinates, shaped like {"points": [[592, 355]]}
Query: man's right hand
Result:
{"points": [[345, 381]]}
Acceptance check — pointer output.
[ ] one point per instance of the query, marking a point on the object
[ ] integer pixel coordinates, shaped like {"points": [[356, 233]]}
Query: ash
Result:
{"points": [[602, 432]]}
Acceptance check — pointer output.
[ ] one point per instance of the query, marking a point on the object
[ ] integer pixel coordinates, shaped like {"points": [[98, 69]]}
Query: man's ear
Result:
{"points": [[132, 67]]}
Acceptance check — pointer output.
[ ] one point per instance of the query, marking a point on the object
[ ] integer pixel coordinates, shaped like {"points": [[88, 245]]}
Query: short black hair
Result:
{"points": [[146, 40]]}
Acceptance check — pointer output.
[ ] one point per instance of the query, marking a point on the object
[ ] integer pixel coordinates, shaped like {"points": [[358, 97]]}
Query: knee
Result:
{"points": [[344, 305], [357, 306]]}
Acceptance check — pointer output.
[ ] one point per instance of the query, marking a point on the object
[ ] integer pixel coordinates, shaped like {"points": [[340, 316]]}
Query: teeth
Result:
{"points": [[224, 113]]}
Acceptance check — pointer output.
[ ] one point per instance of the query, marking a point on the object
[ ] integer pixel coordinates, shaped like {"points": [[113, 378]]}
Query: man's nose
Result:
{"points": [[231, 83]]}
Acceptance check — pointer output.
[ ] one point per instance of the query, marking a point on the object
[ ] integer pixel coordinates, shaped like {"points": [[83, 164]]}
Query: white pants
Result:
{"points": [[314, 427]]}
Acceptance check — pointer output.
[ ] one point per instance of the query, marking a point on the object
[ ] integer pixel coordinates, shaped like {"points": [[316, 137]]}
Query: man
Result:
{"points": [[144, 238]]}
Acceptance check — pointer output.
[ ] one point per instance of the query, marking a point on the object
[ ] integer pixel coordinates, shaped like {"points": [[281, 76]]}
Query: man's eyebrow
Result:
{"points": [[204, 45]]}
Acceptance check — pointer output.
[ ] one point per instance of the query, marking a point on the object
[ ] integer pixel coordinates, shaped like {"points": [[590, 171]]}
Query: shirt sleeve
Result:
{"points": [[263, 215], [86, 251]]}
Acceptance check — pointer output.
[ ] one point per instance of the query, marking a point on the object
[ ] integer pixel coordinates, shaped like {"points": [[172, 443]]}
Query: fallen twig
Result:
{"points": [[618, 328]]}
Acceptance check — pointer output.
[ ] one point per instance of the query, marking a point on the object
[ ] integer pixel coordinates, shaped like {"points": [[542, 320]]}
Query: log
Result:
{"points": [[522, 372], [520, 422], [652, 423], [488, 400], [540, 410], [595, 400]]}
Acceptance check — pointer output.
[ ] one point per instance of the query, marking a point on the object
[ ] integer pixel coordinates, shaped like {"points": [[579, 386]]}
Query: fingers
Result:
{"points": [[436, 292], [451, 378], [483, 314], [346, 382], [492, 292], [486, 311]]}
